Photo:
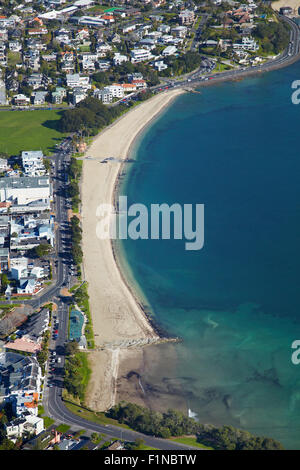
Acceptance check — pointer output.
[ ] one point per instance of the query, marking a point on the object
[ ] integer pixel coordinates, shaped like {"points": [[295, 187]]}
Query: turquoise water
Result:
{"points": [[76, 324], [236, 302]]}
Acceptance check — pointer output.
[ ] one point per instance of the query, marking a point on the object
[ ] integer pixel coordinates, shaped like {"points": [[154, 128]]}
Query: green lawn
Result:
{"points": [[47, 421], [29, 130], [98, 418], [191, 441], [63, 428]]}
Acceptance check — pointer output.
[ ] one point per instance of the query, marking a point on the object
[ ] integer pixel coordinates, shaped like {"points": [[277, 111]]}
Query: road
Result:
{"points": [[289, 56]]}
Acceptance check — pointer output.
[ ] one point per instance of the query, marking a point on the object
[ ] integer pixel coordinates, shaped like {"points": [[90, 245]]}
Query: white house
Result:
{"points": [[33, 163], [119, 59], [139, 55], [104, 95], [26, 423], [76, 80], [169, 50], [117, 91]]}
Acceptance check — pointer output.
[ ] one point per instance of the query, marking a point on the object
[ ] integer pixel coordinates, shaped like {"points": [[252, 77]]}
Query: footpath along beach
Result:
{"points": [[119, 322]]}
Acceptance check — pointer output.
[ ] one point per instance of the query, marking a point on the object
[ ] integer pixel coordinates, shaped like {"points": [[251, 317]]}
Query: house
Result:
{"points": [[35, 80], [3, 165], [186, 17], [78, 95], [38, 31], [18, 266], [139, 83], [135, 76], [128, 87], [32, 162], [78, 81], [105, 96], [4, 259], [159, 65], [104, 65], [103, 48], [49, 57], [26, 423], [118, 58], [164, 28], [39, 97], [57, 96], [82, 33], [27, 285], [140, 55], [116, 90], [170, 50], [117, 445], [15, 46], [179, 31], [25, 345], [88, 65], [21, 100], [247, 44]]}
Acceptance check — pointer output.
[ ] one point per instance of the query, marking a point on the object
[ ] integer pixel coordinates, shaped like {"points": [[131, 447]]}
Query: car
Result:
{"points": [[54, 353]]}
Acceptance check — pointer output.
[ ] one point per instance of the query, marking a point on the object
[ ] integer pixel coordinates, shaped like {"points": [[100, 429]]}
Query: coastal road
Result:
{"points": [[287, 57], [58, 411]]}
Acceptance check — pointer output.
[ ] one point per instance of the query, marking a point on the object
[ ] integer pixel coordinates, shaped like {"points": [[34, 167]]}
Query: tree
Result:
{"points": [[42, 250], [71, 348], [47, 164], [4, 282]]}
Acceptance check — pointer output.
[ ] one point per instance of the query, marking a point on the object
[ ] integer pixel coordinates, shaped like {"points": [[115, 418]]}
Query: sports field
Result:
{"points": [[29, 130]]}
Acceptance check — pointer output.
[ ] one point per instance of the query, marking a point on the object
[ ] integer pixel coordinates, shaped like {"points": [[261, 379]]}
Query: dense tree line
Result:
{"points": [[89, 115], [183, 64], [75, 171], [175, 423], [42, 355], [273, 37], [171, 423], [230, 438], [76, 236], [73, 377]]}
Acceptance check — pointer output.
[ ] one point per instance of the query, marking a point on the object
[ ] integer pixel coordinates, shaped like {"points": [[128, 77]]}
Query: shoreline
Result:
{"points": [[120, 321]]}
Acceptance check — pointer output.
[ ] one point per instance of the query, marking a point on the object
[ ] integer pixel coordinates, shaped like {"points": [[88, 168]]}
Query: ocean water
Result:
{"points": [[235, 303]]}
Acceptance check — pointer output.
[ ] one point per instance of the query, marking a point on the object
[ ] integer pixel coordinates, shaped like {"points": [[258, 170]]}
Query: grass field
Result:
{"points": [[63, 428], [98, 418], [29, 130], [191, 441]]}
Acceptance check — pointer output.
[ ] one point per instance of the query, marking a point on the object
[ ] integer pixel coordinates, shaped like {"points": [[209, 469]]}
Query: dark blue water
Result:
{"points": [[236, 302]]}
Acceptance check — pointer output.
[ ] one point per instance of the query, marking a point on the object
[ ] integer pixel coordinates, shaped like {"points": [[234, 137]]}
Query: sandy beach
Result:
{"points": [[118, 320]]}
